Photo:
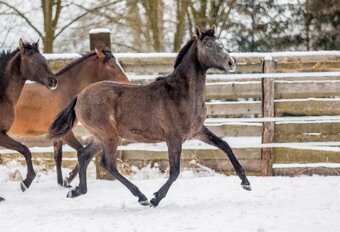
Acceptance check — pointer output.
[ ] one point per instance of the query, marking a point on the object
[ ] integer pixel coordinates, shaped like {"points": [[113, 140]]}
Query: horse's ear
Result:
{"points": [[36, 44], [198, 32], [214, 29], [21, 44], [100, 53]]}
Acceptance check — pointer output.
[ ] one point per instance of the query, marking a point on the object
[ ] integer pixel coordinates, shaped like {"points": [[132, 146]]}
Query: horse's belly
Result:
{"points": [[34, 112], [141, 135]]}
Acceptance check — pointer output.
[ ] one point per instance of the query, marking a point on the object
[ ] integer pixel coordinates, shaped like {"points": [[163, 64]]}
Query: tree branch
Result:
{"points": [[80, 16], [22, 15]]}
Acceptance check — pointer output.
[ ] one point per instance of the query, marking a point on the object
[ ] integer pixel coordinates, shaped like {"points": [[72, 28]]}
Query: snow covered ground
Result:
{"points": [[211, 202]]}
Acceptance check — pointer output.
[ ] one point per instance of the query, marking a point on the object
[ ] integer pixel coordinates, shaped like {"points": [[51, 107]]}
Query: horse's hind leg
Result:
{"points": [[10, 143], [58, 155], [174, 152], [108, 161], [85, 156], [72, 141], [207, 136]]}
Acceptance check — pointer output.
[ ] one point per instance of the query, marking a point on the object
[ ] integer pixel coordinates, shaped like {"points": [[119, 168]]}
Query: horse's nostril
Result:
{"points": [[53, 82], [230, 63]]}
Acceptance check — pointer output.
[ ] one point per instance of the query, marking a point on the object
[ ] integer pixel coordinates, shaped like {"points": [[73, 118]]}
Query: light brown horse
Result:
{"points": [[171, 109], [37, 107], [25, 63]]}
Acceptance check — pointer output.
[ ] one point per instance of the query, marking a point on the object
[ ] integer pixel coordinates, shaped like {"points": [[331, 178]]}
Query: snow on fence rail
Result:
{"points": [[293, 86]]}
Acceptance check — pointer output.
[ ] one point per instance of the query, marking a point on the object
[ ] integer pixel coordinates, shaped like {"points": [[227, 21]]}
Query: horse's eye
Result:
{"points": [[209, 45]]}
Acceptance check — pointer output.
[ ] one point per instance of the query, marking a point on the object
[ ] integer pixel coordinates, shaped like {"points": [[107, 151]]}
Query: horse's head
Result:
{"points": [[110, 69], [211, 52], [33, 65]]}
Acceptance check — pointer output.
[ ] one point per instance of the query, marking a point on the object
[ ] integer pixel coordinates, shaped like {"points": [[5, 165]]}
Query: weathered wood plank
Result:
{"points": [[295, 107], [234, 109], [233, 90], [236, 130], [292, 155], [307, 132], [196, 154], [307, 89], [267, 111], [307, 107]]}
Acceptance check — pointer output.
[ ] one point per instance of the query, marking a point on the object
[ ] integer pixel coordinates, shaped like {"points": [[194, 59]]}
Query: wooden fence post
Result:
{"points": [[100, 37], [267, 111]]}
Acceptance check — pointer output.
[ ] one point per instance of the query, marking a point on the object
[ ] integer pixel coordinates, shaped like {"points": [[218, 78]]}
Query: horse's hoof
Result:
{"points": [[23, 186], [246, 187], [154, 202], [2, 199], [74, 193], [144, 203]]}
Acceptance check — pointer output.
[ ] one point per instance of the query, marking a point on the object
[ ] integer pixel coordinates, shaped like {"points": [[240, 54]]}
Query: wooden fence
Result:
{"points": [[279, 109]]}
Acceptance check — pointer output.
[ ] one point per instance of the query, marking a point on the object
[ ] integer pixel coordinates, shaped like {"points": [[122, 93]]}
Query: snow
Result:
{"points": [[246, 76], [209, 203], [264, 55], [99, 30], [61, 56], [300, 119]]}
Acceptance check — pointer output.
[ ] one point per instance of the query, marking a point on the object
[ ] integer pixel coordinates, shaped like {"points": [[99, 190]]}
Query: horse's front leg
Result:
{"points": [[207, 136], [174, 153], [2, 199], [8, 142]]}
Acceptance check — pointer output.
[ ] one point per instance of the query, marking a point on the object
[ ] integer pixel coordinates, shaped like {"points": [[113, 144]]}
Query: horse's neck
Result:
{"points": [[13, 81], [74, 80], [191, 73]]}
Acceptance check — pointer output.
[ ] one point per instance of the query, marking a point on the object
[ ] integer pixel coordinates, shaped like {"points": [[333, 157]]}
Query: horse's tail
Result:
{"points": [[63, 122]]}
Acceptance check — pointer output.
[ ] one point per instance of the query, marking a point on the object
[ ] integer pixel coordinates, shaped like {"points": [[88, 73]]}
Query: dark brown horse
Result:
{"points": [[171, 109], [37, 107], [25, 63]]}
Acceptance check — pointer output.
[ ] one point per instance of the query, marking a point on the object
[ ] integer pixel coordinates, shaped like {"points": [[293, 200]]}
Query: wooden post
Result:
{"points": [[100, 37], [267, 111]]}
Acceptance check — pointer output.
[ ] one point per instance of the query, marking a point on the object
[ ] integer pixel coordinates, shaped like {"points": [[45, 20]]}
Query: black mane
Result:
{"points": [[108, 55], [183, 51], [75, 62], [187, 46], [4, 57]]}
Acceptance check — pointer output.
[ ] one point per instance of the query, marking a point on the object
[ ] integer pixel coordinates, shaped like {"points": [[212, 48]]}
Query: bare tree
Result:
{"points": [[51, 11]]}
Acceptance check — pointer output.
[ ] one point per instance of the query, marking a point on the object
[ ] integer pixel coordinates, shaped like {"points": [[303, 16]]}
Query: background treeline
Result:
{"points": [[164, 25]]}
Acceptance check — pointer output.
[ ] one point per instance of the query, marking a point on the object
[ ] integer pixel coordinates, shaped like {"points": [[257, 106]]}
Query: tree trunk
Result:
{"points": [[182, 6]]}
